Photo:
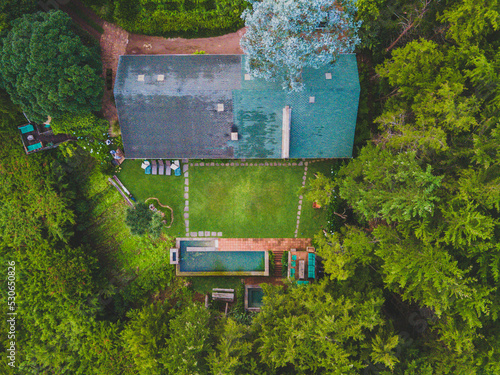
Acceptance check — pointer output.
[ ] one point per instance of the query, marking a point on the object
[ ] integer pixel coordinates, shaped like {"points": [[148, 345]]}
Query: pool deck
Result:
{"points": [[255, 244]]}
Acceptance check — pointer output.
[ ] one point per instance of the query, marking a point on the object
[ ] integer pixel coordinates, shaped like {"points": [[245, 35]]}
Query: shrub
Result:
{"points": [[284, 264], [180, 18], [272, 265]]}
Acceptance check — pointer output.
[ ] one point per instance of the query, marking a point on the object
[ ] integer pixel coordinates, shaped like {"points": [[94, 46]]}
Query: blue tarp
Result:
{"points": [[26, 129], [34, 147]]}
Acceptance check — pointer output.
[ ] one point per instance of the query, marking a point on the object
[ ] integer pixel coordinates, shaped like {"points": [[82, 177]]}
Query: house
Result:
{"points": [[206, 106]]}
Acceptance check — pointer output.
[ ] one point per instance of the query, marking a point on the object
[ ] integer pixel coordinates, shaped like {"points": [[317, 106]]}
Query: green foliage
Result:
{"points": [[89, 131], [11, 9], [342, 254], [189, 343], [319, 190], [271, 262], [382, 350], [47, 70], [379, 184], [284, 264], [472, 21], [145, 335], [189, 18], [142, 220], [314, 331], [232, 354]]}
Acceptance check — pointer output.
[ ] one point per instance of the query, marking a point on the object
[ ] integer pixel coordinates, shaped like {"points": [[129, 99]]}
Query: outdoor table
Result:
{"points": [[301, 269]]}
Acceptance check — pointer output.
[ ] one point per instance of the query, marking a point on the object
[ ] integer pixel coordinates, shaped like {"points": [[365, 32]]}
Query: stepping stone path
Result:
{"points": [[299, 207]]}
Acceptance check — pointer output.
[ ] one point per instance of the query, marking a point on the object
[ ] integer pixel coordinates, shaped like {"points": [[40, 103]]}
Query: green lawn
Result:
{"points": [[168, 189], [255, 201], [205, 285]]}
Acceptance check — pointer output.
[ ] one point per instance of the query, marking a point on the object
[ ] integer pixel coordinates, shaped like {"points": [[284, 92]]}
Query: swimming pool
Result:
{"points": [[253, 297], [202, 257]]}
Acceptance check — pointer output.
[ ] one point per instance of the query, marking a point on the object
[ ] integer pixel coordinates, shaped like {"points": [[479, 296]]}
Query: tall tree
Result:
{"points": [[380, 185], [46, 68], [315, 329], [284, 36]]}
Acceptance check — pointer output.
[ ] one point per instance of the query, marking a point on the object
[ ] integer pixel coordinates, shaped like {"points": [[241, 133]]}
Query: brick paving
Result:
{"points": [[255, 244]]}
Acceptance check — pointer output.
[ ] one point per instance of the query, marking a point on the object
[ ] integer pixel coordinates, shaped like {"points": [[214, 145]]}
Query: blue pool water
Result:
{"points": [[218, 261], [255, 296]]}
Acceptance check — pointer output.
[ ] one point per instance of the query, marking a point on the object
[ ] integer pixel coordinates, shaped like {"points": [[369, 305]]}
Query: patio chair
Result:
{"points": [[293, 264], [294, 257], [292, 272]]}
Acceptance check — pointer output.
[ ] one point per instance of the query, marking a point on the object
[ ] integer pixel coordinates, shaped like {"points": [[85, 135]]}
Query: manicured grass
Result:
{"points": [[248, 202], [314, 219], [253, 202], [205, 285], [168, 189]]}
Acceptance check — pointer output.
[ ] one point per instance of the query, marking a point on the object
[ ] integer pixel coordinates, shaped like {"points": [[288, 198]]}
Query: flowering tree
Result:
{"points": [[284, 36]]}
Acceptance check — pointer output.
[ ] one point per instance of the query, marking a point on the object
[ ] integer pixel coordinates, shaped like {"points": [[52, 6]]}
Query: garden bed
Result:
{"points": [[166, 212]]}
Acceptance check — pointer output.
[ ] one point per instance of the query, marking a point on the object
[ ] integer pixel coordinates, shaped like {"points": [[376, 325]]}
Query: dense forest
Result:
{"points": [[412, 263]]}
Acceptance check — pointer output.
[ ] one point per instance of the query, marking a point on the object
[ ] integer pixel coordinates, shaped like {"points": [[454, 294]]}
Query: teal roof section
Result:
{"points": [[258, 120], [322, 129], [26, 128], [34, 147]]}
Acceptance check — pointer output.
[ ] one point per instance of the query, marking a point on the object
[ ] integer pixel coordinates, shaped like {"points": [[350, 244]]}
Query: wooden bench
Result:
{"points": [[226, 295]]}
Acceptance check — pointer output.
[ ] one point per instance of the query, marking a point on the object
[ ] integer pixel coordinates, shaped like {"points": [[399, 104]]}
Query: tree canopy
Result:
{"points": [[142, 220], [47, 69], [284, 36], [11, 9]]}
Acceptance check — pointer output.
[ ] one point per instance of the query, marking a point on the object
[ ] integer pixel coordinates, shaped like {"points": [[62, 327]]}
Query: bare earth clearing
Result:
{"points": [[115, 41]]}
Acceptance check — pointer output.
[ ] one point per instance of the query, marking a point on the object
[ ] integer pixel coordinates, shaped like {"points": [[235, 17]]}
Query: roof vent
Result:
{"points": [[220, 107], [140, 77], [312, 99], [328, 75], [161, 77]]}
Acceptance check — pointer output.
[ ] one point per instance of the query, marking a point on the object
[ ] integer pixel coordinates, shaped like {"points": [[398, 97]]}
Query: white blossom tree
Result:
{"points": [[284, 36]]}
